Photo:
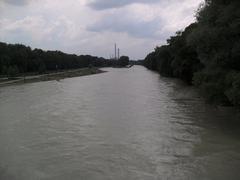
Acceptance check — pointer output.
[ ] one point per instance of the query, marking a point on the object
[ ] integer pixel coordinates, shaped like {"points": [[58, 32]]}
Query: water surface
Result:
{"points": [[123, 124]]}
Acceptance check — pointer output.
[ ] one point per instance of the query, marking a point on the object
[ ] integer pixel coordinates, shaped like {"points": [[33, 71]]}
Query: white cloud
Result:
{"points": [[109, 4], [17, 2], [126, 24], [75, 26]]}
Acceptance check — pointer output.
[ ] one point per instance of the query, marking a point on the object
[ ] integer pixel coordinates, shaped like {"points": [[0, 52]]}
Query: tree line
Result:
{"points": [[207, 53], [18, 59]]}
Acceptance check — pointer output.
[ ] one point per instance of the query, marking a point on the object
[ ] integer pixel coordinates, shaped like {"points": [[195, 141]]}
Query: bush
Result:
{"points": [[123, 61], [41, 68], [233, 92], [12, 71]]}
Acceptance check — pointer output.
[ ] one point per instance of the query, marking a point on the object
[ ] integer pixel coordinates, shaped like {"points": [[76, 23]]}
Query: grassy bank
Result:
{"points": [[50, 76]]}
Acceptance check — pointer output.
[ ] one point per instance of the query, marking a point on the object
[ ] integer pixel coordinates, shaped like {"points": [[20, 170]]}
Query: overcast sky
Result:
{"points": [[93, 26]]}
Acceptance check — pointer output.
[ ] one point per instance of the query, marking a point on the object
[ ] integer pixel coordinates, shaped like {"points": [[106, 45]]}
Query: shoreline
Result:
{"points": [[51, 76]]}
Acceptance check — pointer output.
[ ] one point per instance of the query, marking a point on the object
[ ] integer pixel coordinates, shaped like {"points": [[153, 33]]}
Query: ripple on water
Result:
{"points": [[124, 124]]}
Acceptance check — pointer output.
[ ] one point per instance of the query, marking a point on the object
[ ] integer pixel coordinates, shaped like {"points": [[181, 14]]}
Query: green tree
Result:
{"points": [[12, 71], [123, 61], [206, 53]]}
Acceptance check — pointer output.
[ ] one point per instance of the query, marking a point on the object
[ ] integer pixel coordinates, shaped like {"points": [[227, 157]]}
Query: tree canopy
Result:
{"points": [[206, 53], [123, 60], [15, 59]]}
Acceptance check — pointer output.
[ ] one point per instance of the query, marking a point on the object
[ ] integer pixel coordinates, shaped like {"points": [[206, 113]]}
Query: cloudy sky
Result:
{"points": [[93, 26]]}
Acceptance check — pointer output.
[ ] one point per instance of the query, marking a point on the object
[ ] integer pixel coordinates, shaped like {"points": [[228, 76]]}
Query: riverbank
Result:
{"points": [[205, 54], [50, 76]]}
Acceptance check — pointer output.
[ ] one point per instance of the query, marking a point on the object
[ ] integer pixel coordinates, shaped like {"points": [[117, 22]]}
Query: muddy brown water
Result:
{"points": [[123, 124]]}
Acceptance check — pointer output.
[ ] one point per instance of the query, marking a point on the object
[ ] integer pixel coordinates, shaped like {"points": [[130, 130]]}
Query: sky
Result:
{"points": [[93, 26]]}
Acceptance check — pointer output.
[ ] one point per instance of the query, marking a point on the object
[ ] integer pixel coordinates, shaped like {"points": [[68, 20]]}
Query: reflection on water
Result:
{"points": [[123, 124]]}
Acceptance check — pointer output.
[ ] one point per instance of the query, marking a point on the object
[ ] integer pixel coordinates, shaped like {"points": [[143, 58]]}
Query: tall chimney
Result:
{"points": [[118, 53], [115, 49]]}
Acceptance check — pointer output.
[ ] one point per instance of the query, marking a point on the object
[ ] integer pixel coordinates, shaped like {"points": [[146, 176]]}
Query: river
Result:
{"points": [[124, 124]]}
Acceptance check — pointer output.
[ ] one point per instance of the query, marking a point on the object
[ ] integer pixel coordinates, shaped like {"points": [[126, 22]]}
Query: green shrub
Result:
{"points": [[12, 71], [233, 92]]}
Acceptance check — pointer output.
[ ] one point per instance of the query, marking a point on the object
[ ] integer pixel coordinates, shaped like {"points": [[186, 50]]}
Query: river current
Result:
{"points": [[125, 124]]}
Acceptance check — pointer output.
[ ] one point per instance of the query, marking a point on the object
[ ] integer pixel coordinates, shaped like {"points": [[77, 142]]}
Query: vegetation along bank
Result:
{"points": [[207, 53]]}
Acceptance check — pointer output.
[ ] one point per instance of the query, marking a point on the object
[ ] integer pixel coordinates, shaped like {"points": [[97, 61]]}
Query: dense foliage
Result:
{"points": [[206, 53], [17, 59], [123, 60]]}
